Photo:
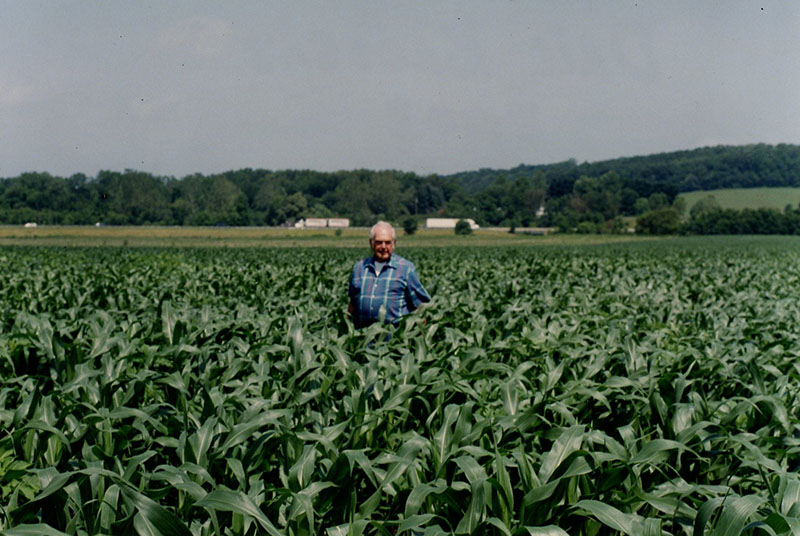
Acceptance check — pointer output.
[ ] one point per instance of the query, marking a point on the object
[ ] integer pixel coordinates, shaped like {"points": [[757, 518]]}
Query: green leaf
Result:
{"points": [[155, 516], [630, 524], [55, 482], [735, 513], [109, 508], [168, 319], [568, 442], [509, 397], [144, 527], [414, 522], [499, 525], [356, 528], [421, 492], [549, 530], [44, 427], [654, 450], [791, 495], [476, 510], [200, 441], [705, 513], [38, 529], [236, 501], [474, 472]]}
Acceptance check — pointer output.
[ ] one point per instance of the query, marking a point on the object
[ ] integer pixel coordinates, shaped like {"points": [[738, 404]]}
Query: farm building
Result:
{"points": [[447, 223], [338, 222], [321, 223], [313, 223]]}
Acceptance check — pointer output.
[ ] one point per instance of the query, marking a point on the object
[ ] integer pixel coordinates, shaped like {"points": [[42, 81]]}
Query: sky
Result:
{"points": [[180, 87]]}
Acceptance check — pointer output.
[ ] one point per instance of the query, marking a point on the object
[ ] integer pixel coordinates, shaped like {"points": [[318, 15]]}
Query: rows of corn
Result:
{"points": [[637, 390]]}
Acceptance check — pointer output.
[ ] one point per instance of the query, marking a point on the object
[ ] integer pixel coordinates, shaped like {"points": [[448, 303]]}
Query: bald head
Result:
{"points": [[381, 240], [382, 225]]}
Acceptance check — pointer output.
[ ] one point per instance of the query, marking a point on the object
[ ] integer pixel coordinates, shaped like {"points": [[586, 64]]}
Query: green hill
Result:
{"points": [[753, 198], [705, 168]]}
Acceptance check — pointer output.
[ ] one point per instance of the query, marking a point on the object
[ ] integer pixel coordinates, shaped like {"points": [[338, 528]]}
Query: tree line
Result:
{"points": [[588, 197], [707, 218]]}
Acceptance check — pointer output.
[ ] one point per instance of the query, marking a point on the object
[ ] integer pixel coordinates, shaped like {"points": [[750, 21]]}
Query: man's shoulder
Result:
{"points": [[362, 262], [402, 262]]}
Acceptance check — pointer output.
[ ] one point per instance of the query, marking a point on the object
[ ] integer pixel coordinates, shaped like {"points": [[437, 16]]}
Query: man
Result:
{"points": [[385, 286]]}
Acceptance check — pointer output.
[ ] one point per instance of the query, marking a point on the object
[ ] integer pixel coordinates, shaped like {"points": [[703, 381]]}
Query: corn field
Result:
{"points": [[647, 389]]}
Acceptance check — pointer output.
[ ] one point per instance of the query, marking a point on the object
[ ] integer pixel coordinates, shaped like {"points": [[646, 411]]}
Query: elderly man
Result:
{"points": [[384, 286]]}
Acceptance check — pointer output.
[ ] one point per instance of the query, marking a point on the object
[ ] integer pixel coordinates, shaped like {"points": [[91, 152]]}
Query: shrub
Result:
{"points": [[463, 227], [659, 222], [410, 226]]}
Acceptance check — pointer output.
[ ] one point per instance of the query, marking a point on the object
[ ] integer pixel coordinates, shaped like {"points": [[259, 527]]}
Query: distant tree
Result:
{"points": [[182, 209], [351, 199], [269, 202], [428, 197], [410, 226], [295, 208], [318, 210], [641, 205], [680, 205], [703, 206], [792, 222], [690, 183], [385, 195], [658, 200], [133, 197], [526, 196], [615, 226], [463, 227], [628, 197], [495, 202], [659, 222], [747, 221]]}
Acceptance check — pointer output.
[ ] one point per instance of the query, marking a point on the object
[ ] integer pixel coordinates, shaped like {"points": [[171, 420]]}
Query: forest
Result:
{"points": [[584, 197]]}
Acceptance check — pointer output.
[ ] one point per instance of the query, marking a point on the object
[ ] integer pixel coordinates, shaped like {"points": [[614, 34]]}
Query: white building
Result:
{"points": [[322, 223], [338, 222], [448, 223]]}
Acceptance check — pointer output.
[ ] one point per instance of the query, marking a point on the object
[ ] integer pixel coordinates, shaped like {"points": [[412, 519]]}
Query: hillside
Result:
{"points": [[707, 168], [747, 198]]}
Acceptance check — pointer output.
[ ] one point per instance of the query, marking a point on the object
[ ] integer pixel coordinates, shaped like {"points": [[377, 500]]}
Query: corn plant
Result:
{"points": [[633, 389]]}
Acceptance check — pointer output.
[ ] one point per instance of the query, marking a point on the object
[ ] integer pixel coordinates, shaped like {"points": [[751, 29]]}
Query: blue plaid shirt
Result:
{"points": [[395, 290]]}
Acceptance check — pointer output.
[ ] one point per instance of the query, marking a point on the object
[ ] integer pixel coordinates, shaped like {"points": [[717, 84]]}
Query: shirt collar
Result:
{"points": [[392, 262]]}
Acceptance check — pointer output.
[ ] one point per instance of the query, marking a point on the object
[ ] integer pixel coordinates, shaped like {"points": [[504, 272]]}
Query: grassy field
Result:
{"points": [[741, 198], [239, 237]]}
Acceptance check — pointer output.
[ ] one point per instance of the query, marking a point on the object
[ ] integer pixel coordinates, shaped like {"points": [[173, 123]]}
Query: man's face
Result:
{"points": [[382, 244]]}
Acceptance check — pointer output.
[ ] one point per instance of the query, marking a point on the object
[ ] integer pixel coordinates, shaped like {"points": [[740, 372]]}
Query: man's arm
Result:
{"points": [[416, 294], [352, 293]]}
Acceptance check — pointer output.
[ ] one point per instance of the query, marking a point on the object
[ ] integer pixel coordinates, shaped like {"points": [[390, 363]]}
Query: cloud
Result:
{"points": [[16, 94], [204, 37]]}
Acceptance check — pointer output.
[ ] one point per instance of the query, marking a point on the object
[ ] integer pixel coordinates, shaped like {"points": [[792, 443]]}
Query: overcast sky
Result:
{"points": [[179, 87]]}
